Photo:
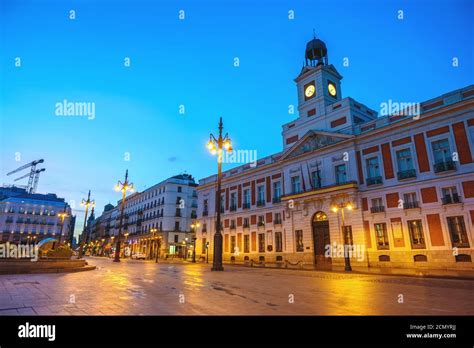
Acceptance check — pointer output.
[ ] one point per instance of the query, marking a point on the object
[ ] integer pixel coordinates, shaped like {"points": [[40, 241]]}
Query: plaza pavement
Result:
{"points": [[146, 288]]}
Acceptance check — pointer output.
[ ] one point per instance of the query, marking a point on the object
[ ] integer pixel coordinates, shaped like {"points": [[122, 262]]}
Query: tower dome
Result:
{"points": [[316, 52]]}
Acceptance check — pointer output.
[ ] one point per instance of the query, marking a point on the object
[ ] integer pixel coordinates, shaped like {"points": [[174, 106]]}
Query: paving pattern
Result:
{"points": [[146, 288]]}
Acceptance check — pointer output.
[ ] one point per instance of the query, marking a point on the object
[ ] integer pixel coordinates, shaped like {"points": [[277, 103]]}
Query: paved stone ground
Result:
{"points": [[146, 288]]}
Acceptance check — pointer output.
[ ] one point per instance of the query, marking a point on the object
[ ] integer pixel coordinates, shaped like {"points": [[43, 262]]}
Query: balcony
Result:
{"points": [[411, 205], [451, 199], [260, 224], [377, 209], [376, 180], [222, 210], [233, 207], [246, 225], [260, 203], [277, 222], [444, 166], [246, 206], [205, 213], [232, 226], [406, 174], [276, 199], [193, 215]]}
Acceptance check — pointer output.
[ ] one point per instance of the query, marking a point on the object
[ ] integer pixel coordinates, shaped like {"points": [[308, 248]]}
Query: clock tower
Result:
{"points": [[319, 83]]}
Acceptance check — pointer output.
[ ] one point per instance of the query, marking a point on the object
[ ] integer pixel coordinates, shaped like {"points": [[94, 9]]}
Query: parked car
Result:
{"points": [[138, 256]]}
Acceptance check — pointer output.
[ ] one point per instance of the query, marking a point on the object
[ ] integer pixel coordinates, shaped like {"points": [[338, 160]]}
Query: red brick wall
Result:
{"points": [[468, 188], [359, 168], [269, 189], [253, 219], [462, 144], [423, 163], [226, 223], [437, 131], [226, 243], [227, 199], [370, 150], [252, 194], [435, 230], [387, 161], [338, 122], [401, 141], [254, 241], [392, 200], [365, 205], [269, 217], [239, 196], [428, 195], [292, 139], [472, 216]]}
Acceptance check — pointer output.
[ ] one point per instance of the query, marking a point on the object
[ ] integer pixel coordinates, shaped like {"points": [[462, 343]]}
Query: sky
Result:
{"points": [[403, 56]]}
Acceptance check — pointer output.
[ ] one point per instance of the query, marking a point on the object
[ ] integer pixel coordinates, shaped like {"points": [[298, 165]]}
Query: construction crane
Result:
{"points": [[33, 175]]}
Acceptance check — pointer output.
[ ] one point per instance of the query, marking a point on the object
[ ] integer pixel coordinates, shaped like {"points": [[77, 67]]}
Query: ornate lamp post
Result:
{"points": [[124, 187], [85, 203], [345, 232], [62, 216], [194, 226], [156, 238], [217, 146]]}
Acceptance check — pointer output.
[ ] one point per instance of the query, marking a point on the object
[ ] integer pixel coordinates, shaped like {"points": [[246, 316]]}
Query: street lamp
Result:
{"points": [[217, 146], [124, 187], [345, 232], [154, 231], [62, 216], [194, 226], [85, 203]]}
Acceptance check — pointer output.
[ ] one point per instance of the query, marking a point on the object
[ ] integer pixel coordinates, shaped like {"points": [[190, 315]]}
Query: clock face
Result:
{"points": [[332, 89], [309, 91]]}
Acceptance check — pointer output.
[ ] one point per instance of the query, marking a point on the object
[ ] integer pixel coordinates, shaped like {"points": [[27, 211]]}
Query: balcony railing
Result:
{"points": [[232, 226], [205, 213], [246, 225], [260, 223], [277, 222], [276, 199], [451, 199], [260, 203], [376, 180], [233, 207], [444, 166], [411, 205], [406, 174], [246, 206], [377, 209], [193, 216]]}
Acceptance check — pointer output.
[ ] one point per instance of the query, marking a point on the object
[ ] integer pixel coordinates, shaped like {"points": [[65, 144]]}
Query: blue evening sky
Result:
{"points": [[190, 62]]}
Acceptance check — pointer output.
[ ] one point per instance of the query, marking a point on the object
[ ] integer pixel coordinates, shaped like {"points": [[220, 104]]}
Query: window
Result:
{"points": [[295, 184], [457, 231], [205, 210], [404, 160], [278, 242], [410, 201], [381, 236], [179, 189], [176, 225], [341, 175], [450, 195], [441, 152], [373, 167], [246, 243], [316, 179], [233, 201], [204, 228], [277, 220], [176, 238], [299, 240], [232, 244], [222, 203], [246, 222], [203, 246], [261, 242], [377, 205], [261, 220], [415, 229], [246, 199], [276, 191], [261, 195]]}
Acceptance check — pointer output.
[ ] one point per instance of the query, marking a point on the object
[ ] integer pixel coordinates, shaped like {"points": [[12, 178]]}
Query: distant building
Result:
{"points": [[156, 220], [26, 217], [398, 188]]}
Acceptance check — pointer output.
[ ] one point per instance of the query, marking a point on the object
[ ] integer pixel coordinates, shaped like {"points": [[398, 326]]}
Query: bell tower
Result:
{"points": [[319, 83]]}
